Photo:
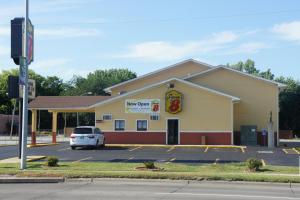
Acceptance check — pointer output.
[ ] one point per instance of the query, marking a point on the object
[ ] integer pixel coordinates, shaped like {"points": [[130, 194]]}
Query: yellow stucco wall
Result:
{"points": [[202, 111], [258, 98], [178, 71]]}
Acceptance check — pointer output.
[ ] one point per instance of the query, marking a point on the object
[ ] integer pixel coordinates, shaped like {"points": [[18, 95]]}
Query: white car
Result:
{"points": [[87, 136]]}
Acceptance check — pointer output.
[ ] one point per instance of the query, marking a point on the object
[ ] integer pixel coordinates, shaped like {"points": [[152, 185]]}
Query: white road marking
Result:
{"points": [[135, 148], [82, 159], [171, 149], [265, 152], [230, 195], [64, 149]]}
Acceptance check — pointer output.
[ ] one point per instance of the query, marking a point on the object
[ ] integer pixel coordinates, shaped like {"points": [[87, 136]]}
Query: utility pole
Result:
{"points": [[24, 66]]}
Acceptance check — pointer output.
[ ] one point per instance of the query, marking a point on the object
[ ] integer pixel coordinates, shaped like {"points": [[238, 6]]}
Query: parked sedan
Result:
{"points": [[87, 136]]}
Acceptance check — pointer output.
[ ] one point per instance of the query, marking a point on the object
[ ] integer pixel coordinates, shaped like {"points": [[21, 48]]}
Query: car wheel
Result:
{"points": [[73, 148]]}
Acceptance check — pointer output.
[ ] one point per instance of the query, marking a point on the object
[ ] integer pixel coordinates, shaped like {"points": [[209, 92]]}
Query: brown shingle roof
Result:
{"points": [[65, 102]]}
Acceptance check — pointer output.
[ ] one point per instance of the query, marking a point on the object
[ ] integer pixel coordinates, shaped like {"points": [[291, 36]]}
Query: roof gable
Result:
{"points": [[158, 71], [280, 85], [116, 98]]}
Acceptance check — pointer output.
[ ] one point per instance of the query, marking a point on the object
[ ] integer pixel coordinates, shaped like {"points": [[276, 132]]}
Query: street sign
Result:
{"points": [[31, 89], [18, 37]]}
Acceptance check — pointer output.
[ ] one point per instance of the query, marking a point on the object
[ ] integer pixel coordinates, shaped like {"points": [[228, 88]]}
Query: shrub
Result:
{"points": [[149, 165], [254, 164], [52, 161]]}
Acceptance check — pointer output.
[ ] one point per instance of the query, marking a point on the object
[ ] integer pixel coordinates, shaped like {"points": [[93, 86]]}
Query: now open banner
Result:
{"points": [[142, 105]]}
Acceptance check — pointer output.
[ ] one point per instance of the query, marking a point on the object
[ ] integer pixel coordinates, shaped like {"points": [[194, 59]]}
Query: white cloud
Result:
{"points": [[4, 31], [60, 67], [67, 32], [4, 50], [161, 50], [246, 48], [289, 30]]}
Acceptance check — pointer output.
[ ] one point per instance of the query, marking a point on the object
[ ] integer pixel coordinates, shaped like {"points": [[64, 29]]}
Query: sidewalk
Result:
{"points": [[6, 140]]}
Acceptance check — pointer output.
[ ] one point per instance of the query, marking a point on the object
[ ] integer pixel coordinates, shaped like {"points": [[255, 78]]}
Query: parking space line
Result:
{"points": [[171, 149], [131, 158], [64, 149], [243, 150], [285, 151], [206, 149], [263, 162], [83, 159], [171, 160], [135, 148], [296, 150], [216, 161]]}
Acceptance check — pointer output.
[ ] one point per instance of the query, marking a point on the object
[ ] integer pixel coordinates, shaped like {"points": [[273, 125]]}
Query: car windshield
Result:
{"points": [[83, 131]]}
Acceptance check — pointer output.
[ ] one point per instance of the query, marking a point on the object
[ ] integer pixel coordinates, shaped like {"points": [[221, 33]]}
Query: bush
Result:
{"points": [[52, 161], [254, 164], [149, 165]]}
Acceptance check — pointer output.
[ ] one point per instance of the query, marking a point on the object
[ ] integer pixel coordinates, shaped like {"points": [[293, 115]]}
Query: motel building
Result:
{"points": [[187, 103]]}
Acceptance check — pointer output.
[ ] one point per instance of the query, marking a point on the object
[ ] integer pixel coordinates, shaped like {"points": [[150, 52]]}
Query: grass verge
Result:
{"points": [[230, 172]]}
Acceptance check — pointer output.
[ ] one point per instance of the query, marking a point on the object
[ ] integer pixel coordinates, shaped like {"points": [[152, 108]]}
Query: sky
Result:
{"points": [[76, 37]]}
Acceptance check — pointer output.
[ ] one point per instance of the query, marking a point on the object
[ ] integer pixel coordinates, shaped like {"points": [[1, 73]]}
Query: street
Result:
{"points": [[127, 189]]}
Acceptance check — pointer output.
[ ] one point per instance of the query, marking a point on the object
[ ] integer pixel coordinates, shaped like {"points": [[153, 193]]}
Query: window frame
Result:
{"points": [[107, 119], [115, 129], [147, 125]]}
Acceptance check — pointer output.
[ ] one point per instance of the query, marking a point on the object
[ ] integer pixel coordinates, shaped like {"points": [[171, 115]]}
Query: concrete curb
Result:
{"points": [[14, 179]]}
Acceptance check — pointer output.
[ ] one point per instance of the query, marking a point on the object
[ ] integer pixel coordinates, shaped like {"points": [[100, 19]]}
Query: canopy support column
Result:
{"points": [[54, 126], [33, 127]]}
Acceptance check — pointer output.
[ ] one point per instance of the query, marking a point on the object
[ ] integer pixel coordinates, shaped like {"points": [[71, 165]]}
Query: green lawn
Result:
{"points": [[236, 171]]}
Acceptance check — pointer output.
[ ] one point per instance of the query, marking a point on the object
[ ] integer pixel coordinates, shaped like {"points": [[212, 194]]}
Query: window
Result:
{"points": [[98, 131], [83, 131], [141, 125], [107, 117], [120, 125], [154, 117]]}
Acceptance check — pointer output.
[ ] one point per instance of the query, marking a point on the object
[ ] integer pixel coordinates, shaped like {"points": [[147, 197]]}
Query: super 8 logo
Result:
{"points": [[173, 102]]}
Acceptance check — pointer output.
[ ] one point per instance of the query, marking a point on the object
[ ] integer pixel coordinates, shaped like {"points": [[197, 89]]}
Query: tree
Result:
{"points": [[97, 81]]}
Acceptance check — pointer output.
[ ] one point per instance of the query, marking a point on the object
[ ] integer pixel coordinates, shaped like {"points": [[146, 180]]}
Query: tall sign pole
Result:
{"points": [[24, 67]]}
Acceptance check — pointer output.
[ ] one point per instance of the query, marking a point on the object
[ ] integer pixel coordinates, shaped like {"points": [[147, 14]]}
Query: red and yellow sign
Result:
{"points": [[173, 102]]}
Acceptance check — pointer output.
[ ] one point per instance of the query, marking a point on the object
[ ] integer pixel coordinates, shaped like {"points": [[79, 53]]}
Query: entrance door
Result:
{"points": [[249, 135], [172, 131]]}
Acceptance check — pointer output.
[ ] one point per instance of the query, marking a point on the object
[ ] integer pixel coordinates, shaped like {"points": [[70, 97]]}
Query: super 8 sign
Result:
{"points": [[173, 101]]}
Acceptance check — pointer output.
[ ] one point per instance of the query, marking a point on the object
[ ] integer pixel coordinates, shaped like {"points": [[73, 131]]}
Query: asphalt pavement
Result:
{"points": [[125, 189], [189, 155]]}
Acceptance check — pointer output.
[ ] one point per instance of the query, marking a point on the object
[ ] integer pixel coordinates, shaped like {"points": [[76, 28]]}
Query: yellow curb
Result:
{"points": [[41, 145], [168, 146], [296, 150], [17, 160], [6, 145], [263, 162]]}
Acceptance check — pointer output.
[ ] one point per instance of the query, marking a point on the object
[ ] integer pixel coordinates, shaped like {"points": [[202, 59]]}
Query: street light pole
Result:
{"points": [[24, 64]]}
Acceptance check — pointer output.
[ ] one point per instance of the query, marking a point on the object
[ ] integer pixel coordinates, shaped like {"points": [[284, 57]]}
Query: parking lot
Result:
{"points": [[175, 154]]}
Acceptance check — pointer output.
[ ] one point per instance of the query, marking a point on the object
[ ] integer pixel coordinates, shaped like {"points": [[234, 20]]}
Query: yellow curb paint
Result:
{"points": [[206, 149], [263, 162], [135, 148], [285, 151], [171, 149], [17, 160], [83, 159], [168, 146], [296, 150], [41, 145]]}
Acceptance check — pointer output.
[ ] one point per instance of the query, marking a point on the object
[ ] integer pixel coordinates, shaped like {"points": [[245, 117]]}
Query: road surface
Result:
{"points": [[126, 189]]}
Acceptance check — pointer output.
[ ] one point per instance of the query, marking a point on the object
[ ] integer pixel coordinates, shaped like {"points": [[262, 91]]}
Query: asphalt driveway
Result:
{"points": [[192, 155]]}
